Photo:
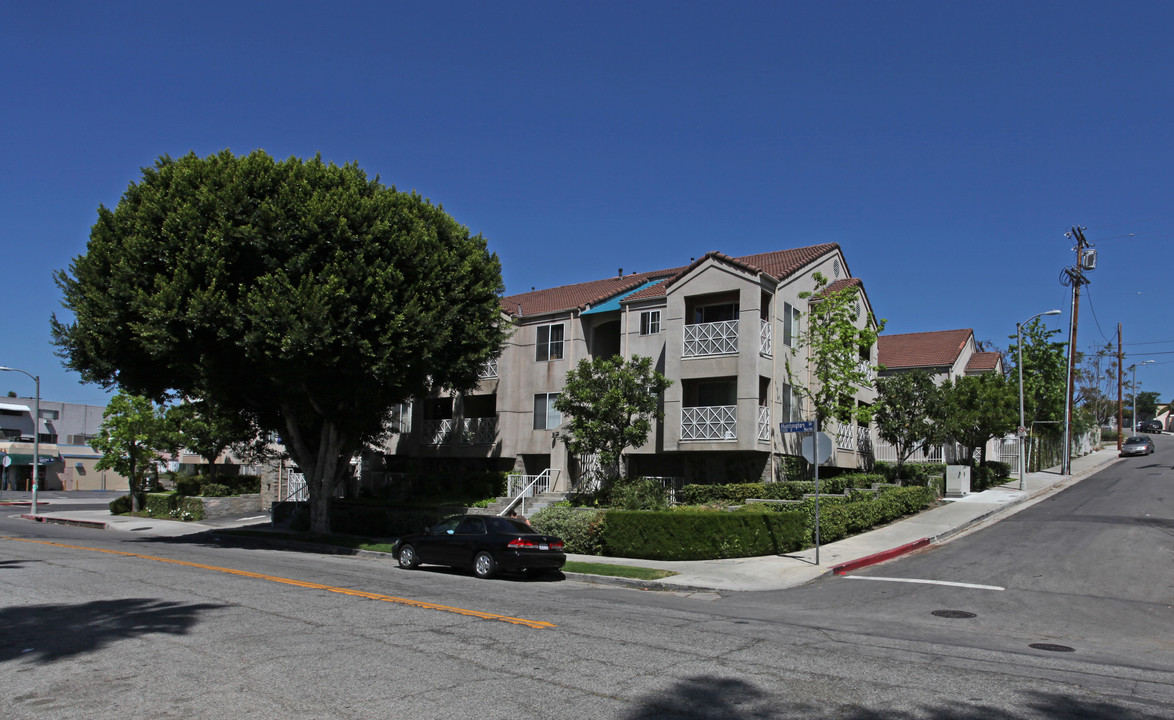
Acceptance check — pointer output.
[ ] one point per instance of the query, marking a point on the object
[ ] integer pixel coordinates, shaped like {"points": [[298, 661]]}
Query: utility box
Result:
{"points": [[957, 480]]}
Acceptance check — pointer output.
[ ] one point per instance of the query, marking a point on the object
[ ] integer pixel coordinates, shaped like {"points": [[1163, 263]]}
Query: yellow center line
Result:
{"points": [[537, 624]]}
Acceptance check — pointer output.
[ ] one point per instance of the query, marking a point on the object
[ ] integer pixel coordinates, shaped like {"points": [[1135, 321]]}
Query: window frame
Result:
{"points": [[650, 322], [543, 347], [548, 412]]}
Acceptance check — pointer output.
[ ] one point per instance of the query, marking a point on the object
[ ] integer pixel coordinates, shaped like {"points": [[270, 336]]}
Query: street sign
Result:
{"points": [[1021, 432], [820, 450], [800, 426]]}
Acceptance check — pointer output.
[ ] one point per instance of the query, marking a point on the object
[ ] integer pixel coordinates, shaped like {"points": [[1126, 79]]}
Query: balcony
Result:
{"points": [[716, 338], [470, 431], [764, 338], [489, 369], [714, 422]]}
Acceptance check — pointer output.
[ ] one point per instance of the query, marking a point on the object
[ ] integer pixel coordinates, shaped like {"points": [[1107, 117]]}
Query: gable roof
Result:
{"points": [[777, 265], [925, 349]]}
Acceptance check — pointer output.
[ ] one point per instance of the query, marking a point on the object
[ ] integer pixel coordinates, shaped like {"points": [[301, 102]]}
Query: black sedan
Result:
{"points": [[485, 543]]}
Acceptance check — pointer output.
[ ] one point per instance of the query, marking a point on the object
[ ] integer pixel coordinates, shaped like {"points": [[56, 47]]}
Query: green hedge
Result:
{"points": [[737, 493], [838, 520], [700, 535], [217, 485], [580, 530]]}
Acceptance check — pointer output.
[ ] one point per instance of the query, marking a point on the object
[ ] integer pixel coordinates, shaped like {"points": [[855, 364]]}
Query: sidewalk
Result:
{"points": [[771, 572]]}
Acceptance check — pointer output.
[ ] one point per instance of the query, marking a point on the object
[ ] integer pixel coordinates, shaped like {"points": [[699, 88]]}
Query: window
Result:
{"points": [[48, 414], [650, 322], [792, 404], [545, 416], [715, 313], [790, 324], [550, 343]]}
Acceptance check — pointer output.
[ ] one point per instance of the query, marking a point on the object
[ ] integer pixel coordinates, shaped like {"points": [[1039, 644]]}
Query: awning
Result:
{"points": [[15, 408], [613, 303]]}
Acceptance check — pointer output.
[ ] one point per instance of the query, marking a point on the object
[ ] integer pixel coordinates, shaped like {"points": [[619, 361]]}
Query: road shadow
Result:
{"points": [[46, 633], [707, 698]]}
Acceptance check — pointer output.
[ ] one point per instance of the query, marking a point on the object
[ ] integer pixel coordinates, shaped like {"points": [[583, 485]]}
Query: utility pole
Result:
{"points": [[1086, 259], [1120, 403]]}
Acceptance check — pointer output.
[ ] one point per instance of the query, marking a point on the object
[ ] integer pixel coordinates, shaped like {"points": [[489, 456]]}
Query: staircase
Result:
{"points": [[533, 504]]}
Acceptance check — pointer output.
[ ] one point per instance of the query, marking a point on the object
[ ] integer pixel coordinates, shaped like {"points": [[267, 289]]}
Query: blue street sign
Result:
{"points": [[794, 427]]}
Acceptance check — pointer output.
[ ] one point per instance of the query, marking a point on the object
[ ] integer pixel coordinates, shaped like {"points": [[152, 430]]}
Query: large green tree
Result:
{"points": [[837, 341], [611, 403], [299, 293], [976, 408], [906, 412], [134, 431]]}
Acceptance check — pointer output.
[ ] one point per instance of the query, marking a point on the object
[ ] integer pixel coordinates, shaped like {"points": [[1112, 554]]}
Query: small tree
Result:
{"points": [[976, 408], [611, 403], [1045, 366], [837, 341], [906, 408], [133, 432]]}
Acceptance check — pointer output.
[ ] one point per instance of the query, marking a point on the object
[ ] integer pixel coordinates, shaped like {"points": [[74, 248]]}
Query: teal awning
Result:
{"points": [[613, 303]]}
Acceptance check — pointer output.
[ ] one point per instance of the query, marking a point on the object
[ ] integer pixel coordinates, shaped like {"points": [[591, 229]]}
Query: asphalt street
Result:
{"points": [[101, 624]]}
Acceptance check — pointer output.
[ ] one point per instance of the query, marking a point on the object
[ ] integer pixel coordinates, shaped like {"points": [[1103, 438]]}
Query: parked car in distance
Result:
{"points": [[486, 544], [1137, 445], [1150, 426]]}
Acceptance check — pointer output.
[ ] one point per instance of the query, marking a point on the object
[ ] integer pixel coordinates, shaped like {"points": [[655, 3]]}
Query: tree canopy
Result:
{"points": [[208, 430], [1045, 365], [299, 293], [837, 341], [611, 403], [976, 408], [907, 411]]}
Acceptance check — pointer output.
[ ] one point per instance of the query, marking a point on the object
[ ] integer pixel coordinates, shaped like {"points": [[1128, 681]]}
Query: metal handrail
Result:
{"points": [[521, 496]]}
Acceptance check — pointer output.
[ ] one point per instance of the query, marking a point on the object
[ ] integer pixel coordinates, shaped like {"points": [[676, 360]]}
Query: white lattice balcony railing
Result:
{"points": [[764, 338], [868, 369], [489, 369], [470, 431], [764, 423], [719, 338], [844, 437], [716, 422]]}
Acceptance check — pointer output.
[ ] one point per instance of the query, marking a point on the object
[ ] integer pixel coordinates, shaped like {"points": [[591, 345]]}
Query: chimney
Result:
{"points": [[620, 272]]}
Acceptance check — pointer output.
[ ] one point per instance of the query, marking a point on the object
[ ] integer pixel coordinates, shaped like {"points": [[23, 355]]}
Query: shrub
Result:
{"points": [[700, 535], [580, 530], [121, 505], [639, 494], [215, 490], [187, 485]]}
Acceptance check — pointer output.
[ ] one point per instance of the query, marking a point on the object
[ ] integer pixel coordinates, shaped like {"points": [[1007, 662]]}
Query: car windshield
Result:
{"points": [[1136, 441]]}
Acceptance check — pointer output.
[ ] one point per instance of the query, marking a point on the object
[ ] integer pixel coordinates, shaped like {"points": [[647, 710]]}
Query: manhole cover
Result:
{"points": [[1051, 648], [956, 614]]}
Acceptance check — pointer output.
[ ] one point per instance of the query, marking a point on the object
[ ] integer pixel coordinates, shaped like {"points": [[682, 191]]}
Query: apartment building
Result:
{"points": [[721, 328]]}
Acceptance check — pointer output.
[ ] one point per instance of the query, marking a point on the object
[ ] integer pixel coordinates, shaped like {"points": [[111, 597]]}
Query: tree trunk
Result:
{"points": [[323, 465]]}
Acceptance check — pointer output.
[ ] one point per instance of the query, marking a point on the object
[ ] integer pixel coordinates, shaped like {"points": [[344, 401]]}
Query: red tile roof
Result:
{"points": [[983, 362], [777, 264], [926, 349]]}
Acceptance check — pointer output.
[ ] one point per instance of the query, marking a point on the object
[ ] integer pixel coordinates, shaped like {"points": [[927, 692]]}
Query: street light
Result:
{"points": [[1019, 362], [1134, 369], [36, 428]]}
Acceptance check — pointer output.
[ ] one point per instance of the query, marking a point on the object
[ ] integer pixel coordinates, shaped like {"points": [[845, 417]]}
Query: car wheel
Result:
{"points": [[484, 566], [408, 558]]}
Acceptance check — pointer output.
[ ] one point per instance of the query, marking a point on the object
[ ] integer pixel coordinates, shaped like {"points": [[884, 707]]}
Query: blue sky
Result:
{"points": [[947, 147]]}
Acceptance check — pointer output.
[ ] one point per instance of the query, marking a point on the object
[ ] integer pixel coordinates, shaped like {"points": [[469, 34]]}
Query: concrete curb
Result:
{"points": [[66, 521], [880, 557]]}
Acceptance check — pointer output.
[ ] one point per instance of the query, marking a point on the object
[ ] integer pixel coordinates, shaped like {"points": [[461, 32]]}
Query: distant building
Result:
{"points": [[943, 354], [64, 430]]}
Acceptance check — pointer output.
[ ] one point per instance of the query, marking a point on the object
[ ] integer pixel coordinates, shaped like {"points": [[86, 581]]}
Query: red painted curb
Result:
{"points": [[879, 557]]}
